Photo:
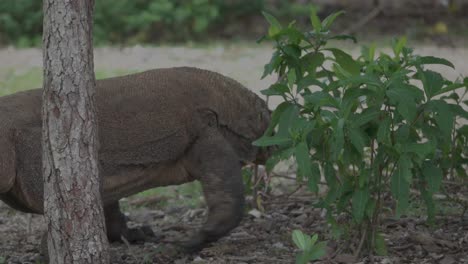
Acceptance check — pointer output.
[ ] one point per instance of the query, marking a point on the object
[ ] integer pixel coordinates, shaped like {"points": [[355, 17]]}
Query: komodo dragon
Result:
{"points": [[156, 128]]}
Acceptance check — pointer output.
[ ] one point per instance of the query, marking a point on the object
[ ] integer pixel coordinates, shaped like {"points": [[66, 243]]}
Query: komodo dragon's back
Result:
{"points": [[162, 107]]}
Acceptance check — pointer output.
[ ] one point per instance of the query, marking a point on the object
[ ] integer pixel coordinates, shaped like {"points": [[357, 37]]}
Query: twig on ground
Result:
{"points": [[257, 258], [295, 191]]}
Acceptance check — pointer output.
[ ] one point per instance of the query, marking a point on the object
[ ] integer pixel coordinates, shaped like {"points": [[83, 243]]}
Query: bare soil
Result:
{"points": [[263, 237]]}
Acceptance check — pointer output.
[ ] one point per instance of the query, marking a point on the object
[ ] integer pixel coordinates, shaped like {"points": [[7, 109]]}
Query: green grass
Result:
{"points": [[12, 81], [186, 195]]}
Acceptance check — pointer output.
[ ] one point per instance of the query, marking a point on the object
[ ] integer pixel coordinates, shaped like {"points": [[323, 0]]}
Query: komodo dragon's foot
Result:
{"points": [[195, 244], [117, 230], [138, 235]]}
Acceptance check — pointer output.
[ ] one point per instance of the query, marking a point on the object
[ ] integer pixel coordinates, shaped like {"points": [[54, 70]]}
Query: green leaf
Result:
{"points": [[276, 115], [443, 116], [291, 78], [308, 81], [292, 50], [312, 61], [313, 240], [328, 21], [356, 137], [449, 88], [274, 63], [433, 176], [434, 60], [346, 61], [320, 99], [432, 82], [400, 184], [304, 163], [276, 89], [341, 73], [420, 149], [314, 178], [271, 141], [370, 209], [369, 52], [365, 117], [294, 35], [337, 146], [364, 177], [287, 118], [282, 154], [315, 20], [275, 26], [398, 46], [359, 202], [362, 79], [380, 245], [301, 240], [343, 37], [383, 132], [430, 205], [404, 99], [316, 252]]}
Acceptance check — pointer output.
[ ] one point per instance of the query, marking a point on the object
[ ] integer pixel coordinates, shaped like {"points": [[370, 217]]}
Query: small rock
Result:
{"points": [[301, 218], [345, 258], [386, 261], [198, 259], [181, 261], [279, 245], [268, 226], [255, 213], [279, 217], [297, 212], [447, 260]]}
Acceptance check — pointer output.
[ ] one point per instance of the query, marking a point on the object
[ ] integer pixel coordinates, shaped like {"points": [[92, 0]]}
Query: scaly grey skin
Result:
{"points": [[156, 128]]}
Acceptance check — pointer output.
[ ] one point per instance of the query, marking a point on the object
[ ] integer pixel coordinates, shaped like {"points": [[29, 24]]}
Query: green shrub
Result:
{"points": [[142, 21], [148, 20], [370, 126], [21, 22]]}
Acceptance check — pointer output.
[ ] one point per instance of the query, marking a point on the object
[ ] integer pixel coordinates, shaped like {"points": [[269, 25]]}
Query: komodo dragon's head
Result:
{"points": [[248, 123]]}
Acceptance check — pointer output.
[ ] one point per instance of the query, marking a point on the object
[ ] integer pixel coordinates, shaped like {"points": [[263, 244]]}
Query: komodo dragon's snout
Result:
{"points": [[156, 128]]}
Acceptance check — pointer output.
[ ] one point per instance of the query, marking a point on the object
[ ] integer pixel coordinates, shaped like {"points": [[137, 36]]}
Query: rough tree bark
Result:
{"points": [[72, 199]]}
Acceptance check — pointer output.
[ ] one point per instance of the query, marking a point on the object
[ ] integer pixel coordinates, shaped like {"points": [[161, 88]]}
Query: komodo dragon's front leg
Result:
{"points": [[213, 161], [116, 226]]}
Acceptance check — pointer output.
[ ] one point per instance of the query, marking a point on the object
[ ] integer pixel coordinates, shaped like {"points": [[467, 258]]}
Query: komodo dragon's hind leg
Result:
{"points": [[116, 226], [213, 161]]}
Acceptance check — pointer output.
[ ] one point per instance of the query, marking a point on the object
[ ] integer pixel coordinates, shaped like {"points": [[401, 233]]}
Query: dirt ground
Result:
{"points": [[263, 237]]}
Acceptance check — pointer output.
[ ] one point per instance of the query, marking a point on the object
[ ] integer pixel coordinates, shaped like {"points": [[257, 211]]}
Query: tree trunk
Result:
{"points": [[72, 198]]}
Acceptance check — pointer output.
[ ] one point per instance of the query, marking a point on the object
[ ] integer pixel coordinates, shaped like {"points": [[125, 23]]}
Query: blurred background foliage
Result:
{"points": [[153, 21]]}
